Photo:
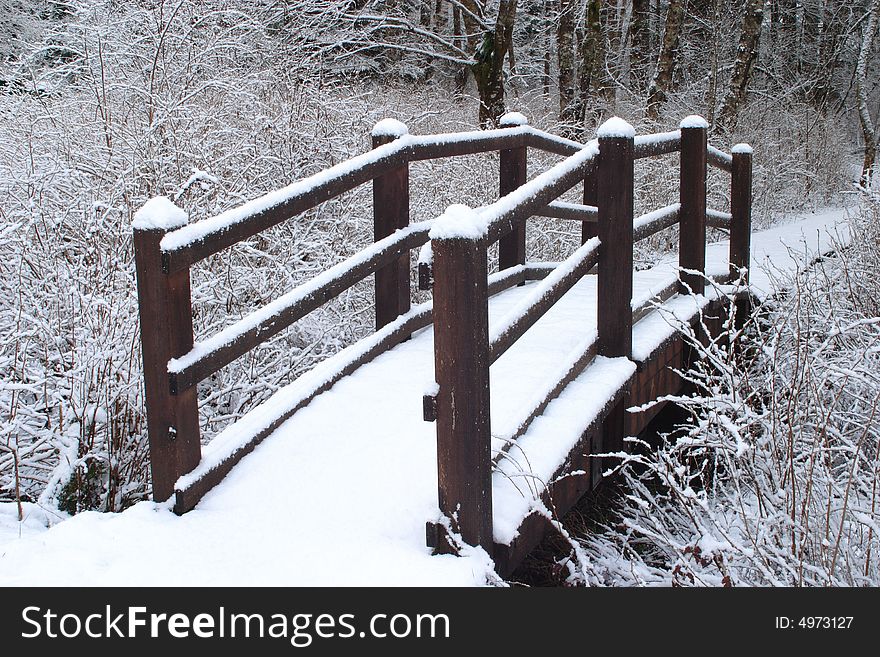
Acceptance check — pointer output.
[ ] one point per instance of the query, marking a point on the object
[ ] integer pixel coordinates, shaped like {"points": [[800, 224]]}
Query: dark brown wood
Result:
{"points": [[692, 216], [441, 146], [615, 277], [718, 159], [512, 174], [391, 213], [644, 229], [649, 148], [461, 365], [313, 297], [164, 304], [741, 211], [570, 211], [551, 144], [591, 197], [225, 236], [426, 276], [553, 294], [717, 219]]}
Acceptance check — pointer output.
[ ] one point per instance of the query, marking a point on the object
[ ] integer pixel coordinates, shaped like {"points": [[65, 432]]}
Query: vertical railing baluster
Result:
{"points": [[692, 196], [512, 174], [741, 209], [391, 213]]}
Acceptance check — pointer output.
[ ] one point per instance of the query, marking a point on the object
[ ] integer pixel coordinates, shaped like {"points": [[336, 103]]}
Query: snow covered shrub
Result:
{"points": [[775, 479]]}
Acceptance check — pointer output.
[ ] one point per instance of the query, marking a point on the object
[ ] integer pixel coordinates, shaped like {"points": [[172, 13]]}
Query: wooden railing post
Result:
{"points": [[692, 196], [615, 275], [512, 174], [615, 182], [461, 364], [591, 197], [741, 209], [390, 213], [165, 309]]}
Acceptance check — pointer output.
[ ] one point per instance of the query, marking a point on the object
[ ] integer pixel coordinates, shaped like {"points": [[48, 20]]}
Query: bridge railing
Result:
{"points": [[166, 247], [465, 344]]}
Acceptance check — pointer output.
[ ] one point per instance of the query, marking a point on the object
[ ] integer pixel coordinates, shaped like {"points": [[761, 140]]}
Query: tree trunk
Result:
{"points": [[565, 60], [662, 81], [641, 44], [488, 67], [593, 83], [865, 120], [745, 60]]}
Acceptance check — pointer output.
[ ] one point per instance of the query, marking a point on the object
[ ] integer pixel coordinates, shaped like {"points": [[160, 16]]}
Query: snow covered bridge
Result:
{"points": [[348, 470], [570, 351]]}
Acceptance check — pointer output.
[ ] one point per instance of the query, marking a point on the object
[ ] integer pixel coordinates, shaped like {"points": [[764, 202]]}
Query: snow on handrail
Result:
{"points": [[515, 323], [718, 158], [653, 222]]}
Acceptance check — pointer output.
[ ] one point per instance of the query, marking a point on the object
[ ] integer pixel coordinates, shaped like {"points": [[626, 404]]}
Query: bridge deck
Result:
{"points": [[341, 492]]}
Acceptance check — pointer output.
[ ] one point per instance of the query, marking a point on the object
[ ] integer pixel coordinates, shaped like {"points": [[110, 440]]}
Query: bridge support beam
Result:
{"points": [[741, 209], [390, 213], [461, 364], [512, 174], [692, 196]]}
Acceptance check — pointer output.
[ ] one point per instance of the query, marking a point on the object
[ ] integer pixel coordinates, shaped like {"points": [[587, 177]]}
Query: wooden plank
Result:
{"points": [[692, 217], [512, 174], [391, 213], [355, 269], [440, 146], [717, 219], [549, 144], [461, 365], [741, 209], [164, 305]]}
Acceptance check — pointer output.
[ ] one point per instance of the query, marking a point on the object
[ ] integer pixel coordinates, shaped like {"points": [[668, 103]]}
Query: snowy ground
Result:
{"points": [[341, 493]]}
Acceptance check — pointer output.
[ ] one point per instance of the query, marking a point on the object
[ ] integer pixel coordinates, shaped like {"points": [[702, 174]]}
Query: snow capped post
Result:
{"points": [[740, 208], [615, 183], [165, 307], [512, 174], [615, 275], [391, 213], [461, 366], [692, 196]]}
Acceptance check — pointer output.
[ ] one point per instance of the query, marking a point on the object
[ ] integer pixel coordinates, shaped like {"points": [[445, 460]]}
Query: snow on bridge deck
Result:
{"points": [[341, 492]]}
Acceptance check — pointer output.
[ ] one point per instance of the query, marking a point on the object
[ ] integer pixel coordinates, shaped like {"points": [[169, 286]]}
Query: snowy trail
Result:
{"points": [[341, 492]]}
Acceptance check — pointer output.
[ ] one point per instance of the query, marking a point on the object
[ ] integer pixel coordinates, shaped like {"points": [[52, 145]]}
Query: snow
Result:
{"points": [[694, 121], [742, 148], [359, 461], [512, 119], [721, 155], [458, 222], [615, 127], [658, 138], [390, 128], [159, 213]]}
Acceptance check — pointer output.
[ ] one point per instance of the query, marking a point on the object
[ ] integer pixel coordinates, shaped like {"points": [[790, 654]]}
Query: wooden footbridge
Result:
{"points": [[618, 349]]}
